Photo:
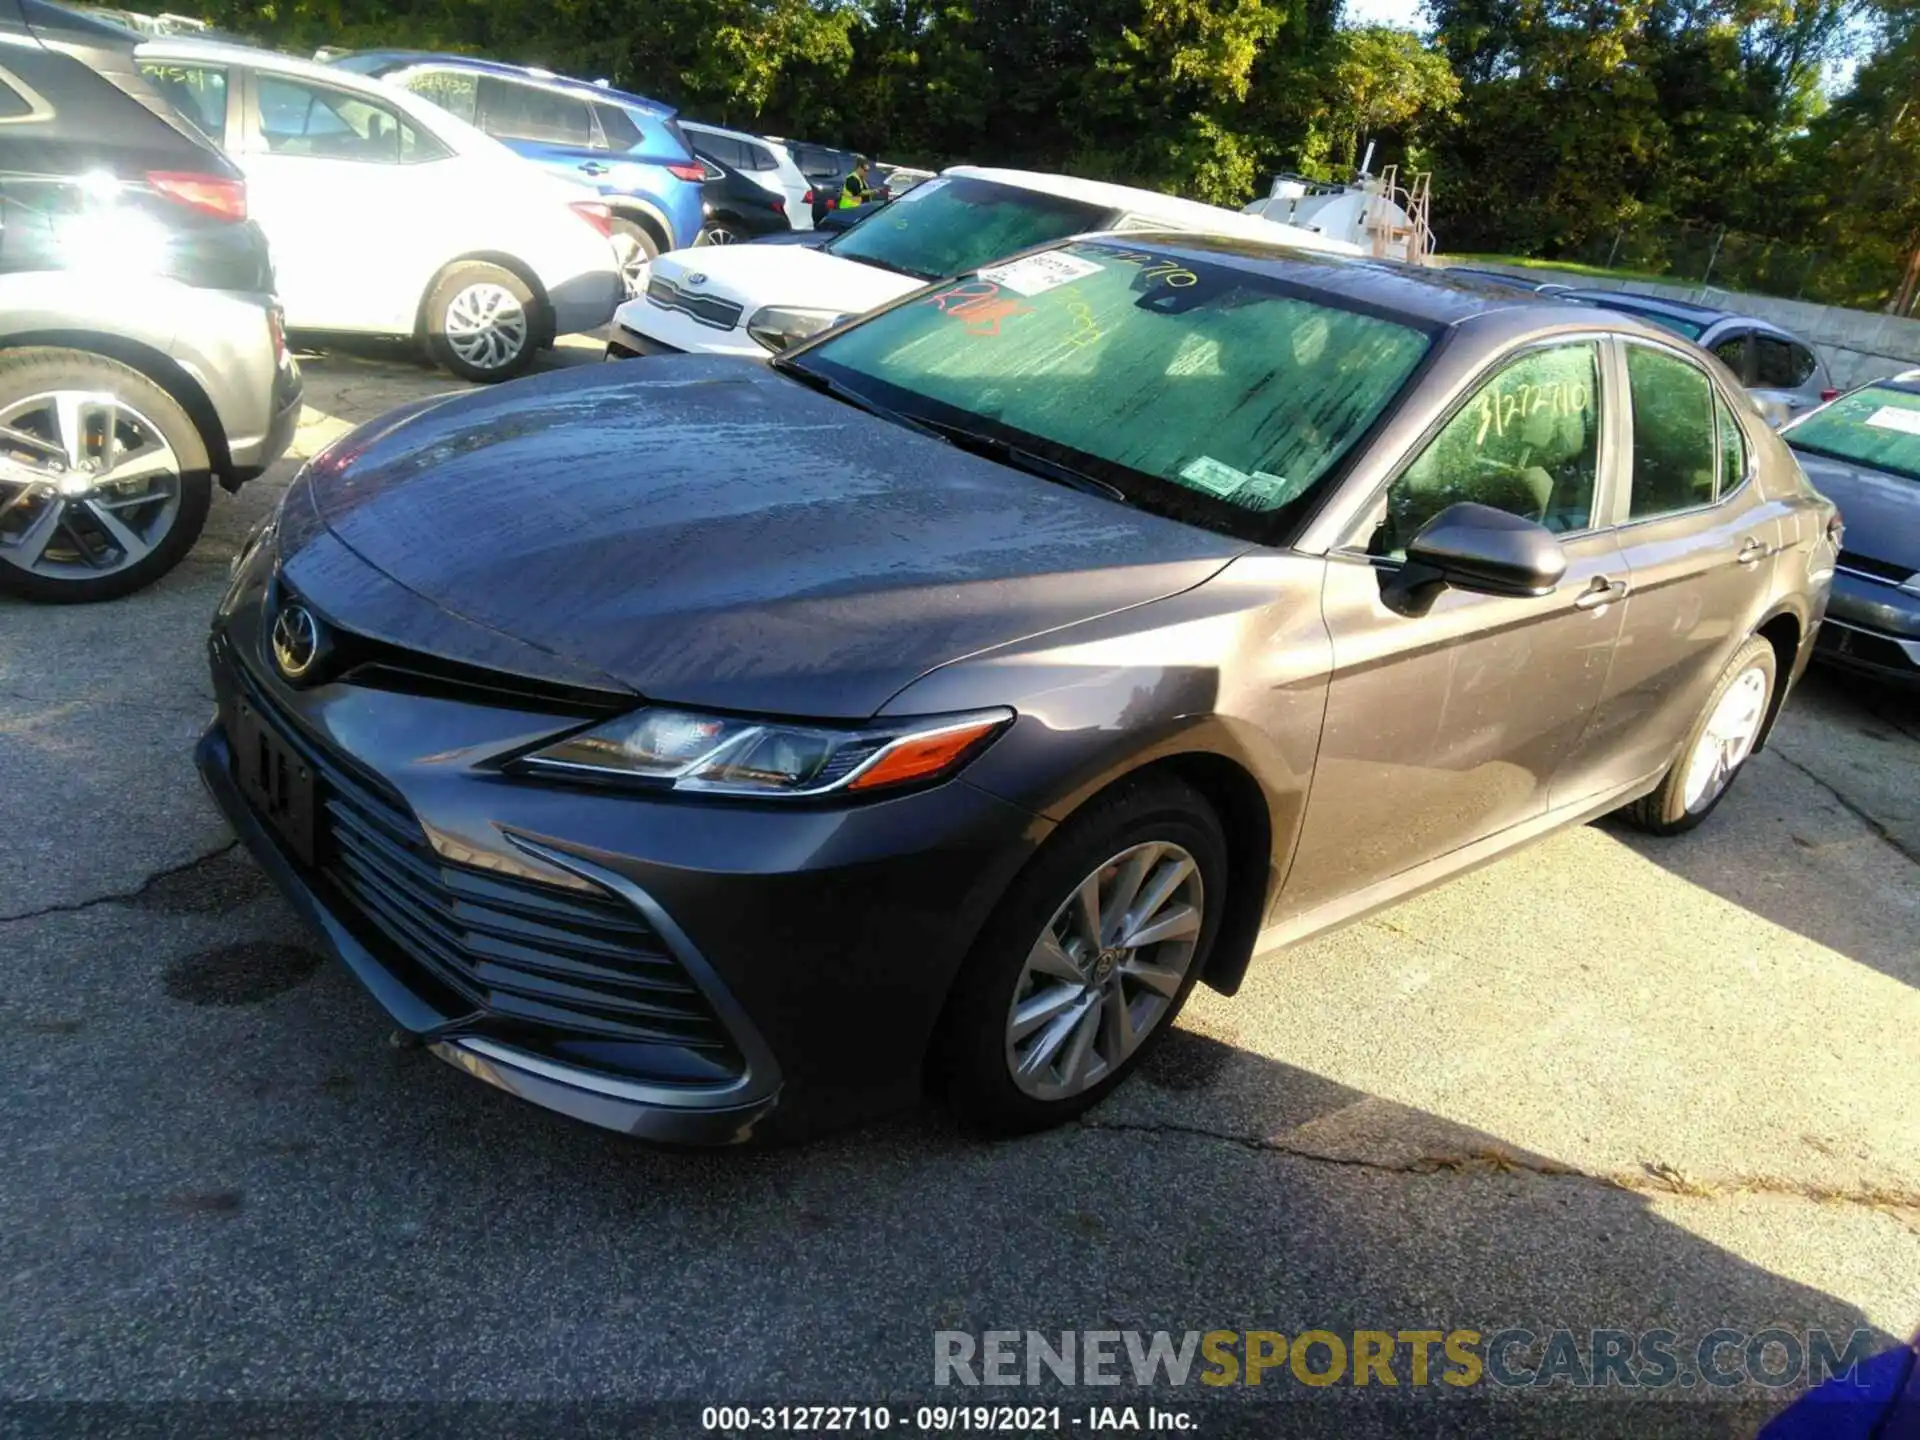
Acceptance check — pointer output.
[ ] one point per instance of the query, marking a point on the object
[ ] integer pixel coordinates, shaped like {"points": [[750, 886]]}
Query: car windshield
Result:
{"points": [[1876, 426], [952, 224], [1198, 388]]}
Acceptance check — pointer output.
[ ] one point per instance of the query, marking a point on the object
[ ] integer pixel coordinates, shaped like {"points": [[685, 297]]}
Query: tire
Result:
{"points": [[721, 232], [1737, 708], [483, 322], [634, 247], [117, 537], [977, 1048]]}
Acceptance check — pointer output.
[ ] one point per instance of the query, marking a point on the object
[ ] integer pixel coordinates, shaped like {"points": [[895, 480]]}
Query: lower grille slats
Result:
{"points": [[574, 961]]}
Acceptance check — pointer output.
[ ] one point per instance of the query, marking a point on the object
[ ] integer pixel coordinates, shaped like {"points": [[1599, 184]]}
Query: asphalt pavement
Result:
{"points": [[1609, 1083]]}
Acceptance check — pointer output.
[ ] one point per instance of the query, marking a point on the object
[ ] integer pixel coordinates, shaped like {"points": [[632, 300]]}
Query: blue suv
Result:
{"points": [[627, 147]]}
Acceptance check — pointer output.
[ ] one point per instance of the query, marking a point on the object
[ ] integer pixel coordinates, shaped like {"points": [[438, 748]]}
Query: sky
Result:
{"points": [[1404, 13]]}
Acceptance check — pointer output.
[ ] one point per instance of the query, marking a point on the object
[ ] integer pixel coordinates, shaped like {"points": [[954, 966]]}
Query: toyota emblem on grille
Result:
{"points": [[296, 641]]}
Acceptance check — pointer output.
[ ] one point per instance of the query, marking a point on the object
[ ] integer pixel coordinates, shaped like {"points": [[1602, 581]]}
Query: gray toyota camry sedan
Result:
{"points": [[711, 751]]}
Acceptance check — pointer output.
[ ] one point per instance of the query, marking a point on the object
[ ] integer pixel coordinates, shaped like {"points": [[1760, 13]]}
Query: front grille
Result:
{"points": [[707, 309], [579, 962], [1876, 569]]}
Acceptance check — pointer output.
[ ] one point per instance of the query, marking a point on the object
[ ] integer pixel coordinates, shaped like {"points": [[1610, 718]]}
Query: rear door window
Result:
{"points": [[512, 111], [759, 157], [1673, 434], [618, 127], [321, 123], [1779, 364], [198, 92], [456, 93]]}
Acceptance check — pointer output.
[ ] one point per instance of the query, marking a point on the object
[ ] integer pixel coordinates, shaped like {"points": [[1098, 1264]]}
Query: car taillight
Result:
{"points": [[595, 213], [687, 171], [209, 194], [1826, 395], [807, 199]]}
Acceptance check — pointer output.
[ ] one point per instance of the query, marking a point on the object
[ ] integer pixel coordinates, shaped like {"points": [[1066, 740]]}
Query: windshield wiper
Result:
{"points": [[1008, 453], [957, 436], [814, 380]]}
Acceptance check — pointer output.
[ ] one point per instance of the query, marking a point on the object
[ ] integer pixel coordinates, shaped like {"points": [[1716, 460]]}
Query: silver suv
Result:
{"points": [[141, 352]]}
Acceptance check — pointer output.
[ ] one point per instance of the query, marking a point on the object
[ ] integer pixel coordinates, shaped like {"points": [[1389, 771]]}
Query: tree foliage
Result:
{"points": [[1550, 124]]}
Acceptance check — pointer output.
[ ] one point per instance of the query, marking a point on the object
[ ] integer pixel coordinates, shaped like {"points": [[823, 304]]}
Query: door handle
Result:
{"points": [[594, 167], [1752, 551], [1600, 593]]}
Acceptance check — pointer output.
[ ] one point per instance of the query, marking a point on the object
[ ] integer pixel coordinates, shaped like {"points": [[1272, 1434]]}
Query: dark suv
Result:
{"points": [[141, 353]]}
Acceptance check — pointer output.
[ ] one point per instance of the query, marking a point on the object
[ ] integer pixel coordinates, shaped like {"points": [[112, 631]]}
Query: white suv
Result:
{"points": [[754, 300]]}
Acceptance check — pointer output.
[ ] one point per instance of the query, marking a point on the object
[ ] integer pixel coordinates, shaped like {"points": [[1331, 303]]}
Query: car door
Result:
{"points": [[1699, 542], [347, 190], [553, 129], [1449, 726]]}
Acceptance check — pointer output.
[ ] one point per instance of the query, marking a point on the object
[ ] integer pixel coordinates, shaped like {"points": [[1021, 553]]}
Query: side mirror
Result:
{"points": [[1488, 551]]}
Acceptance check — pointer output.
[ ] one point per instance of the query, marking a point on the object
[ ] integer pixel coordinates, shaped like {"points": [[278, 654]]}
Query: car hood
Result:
{"points": [[709, 532], [757, 275], [1881, 511]]}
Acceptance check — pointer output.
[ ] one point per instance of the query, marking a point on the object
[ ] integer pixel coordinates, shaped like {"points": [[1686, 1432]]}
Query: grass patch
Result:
{"points": [[1570, 267]]}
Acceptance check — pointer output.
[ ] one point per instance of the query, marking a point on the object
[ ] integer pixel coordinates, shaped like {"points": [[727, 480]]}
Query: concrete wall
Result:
{"points": [[1858, 345]]}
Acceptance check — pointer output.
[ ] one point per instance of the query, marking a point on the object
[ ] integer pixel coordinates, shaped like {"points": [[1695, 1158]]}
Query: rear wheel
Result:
{"points": [[720, 232], [104, 480], [634, 248], [1087, 960], [1716, 748], [482, 322]]}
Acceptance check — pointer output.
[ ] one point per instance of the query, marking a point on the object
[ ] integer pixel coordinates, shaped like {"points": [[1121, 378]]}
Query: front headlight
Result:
{"points": [[717, 754], [778, 326]]}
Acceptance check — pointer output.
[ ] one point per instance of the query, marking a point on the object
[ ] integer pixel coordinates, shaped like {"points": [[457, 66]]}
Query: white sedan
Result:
{"points": [[388, 216], [754, 300]]}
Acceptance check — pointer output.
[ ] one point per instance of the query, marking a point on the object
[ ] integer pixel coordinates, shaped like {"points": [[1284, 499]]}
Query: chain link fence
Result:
{"points": [[1736, 260]]}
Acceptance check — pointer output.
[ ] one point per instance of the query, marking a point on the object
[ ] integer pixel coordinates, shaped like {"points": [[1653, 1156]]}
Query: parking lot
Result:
{"points": [[1614, 1082]]}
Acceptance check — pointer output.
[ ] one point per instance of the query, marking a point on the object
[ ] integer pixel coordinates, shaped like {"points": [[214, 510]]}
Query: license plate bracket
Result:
{"points": [[276, 779]]}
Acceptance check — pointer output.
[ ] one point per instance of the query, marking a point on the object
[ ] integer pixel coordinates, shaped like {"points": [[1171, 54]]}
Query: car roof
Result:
{"points": [[1704, 316], [1179, 214], [710, 129], [500, 69], [1425, 296], [185, 47]]}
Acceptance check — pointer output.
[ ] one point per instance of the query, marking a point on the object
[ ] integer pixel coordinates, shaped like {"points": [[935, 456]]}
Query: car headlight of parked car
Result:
{"points": [[778, 326], [728, 755]]}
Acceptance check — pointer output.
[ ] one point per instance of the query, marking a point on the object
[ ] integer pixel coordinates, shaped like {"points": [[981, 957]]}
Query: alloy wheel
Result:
{"points": [[88, 485], [486, 326], [1104, 971], [717, 235], [1728, 738], [632, 258]]}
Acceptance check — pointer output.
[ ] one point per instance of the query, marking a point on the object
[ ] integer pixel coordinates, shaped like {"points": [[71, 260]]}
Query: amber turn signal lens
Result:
{"points": [[923, 756]]}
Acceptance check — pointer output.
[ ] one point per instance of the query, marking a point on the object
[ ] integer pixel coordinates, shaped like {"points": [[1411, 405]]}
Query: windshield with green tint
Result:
{"points": [[1204, 390], [951, 224], [1877, 426]]}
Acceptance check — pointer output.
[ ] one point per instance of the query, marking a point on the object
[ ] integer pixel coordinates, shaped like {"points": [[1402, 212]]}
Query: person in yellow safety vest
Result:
{"points": [[856, 192]]}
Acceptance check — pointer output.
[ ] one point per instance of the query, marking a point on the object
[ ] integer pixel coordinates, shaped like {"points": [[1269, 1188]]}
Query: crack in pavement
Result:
{"points": [[1878, 827], [123, 897], [1657, 1178]]}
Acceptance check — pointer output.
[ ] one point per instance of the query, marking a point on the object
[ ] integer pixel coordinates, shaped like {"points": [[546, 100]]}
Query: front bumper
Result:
{"points": [[625, 344], [823, 941], [1872, 627], [674, 332]]}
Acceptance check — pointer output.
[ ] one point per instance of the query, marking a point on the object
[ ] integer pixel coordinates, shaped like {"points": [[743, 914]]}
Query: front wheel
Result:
{"points": [[1716, 748], [634, 249], [481, 323], [104, 480], [1087, 960]]}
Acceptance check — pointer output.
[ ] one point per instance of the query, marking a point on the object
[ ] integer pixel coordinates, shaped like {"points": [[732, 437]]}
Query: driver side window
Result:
{"points": [[1526, 442]]}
